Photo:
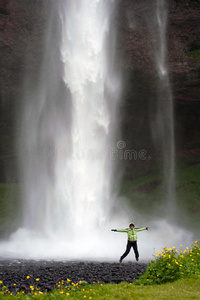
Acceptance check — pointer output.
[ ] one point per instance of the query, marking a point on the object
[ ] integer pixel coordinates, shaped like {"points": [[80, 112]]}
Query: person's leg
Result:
{"points": [[136, 250], [128, 248]]}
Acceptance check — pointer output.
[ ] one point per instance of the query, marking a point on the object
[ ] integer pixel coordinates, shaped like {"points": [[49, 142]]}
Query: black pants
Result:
{"points": [[128, 248]]}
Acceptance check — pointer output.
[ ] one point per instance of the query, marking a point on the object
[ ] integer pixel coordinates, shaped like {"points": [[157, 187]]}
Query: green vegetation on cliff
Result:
{"points": [[10, 208], [146, 193]]}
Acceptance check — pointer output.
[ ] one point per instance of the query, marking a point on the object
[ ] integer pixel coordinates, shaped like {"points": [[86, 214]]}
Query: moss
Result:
{"points": [[10, 208], [147, 194], [195, 54]]}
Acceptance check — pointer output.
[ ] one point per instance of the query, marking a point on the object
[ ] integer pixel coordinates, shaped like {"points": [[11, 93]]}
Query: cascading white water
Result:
{"points": [[165, 118], [68, 133], [84, 56], [77, 191], [67, 136]]}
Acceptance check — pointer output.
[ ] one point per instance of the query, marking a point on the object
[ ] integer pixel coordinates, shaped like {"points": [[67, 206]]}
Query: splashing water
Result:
{"points": [[80, 191], [67, 132], [68, 129], [83, 53]]}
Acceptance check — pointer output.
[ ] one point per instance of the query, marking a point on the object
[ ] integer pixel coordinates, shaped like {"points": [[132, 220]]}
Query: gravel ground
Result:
{"points": [[51, 272]]}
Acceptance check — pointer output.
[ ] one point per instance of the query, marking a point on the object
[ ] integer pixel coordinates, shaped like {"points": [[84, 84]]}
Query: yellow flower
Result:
{"points": [[27, 277], [67, 294], [1, 281], [68, 280], [14, 284], [37, 279], [41, 293]]}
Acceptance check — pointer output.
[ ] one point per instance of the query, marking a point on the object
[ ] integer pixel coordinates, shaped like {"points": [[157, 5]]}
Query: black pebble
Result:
{"points": [[51, 272]]}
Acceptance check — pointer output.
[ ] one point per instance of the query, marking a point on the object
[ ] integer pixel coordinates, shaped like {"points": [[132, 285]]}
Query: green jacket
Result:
{"points": [[132, 233]]}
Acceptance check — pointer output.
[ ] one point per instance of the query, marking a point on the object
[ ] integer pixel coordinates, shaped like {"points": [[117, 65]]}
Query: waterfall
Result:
{"points": [[68, 132], [67, 143], [165, 119], [72, 116], [85, 73]]}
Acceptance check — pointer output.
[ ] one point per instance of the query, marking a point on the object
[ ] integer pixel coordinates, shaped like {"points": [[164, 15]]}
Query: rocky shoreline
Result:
{"points": [[14, 273]]}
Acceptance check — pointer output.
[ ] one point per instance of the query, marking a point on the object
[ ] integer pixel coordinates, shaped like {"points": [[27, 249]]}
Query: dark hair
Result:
{"points": [[131, 225]]}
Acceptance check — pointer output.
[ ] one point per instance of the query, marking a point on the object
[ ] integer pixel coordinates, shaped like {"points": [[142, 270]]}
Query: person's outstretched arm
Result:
{"points": [[119, 230], [142, 228]]}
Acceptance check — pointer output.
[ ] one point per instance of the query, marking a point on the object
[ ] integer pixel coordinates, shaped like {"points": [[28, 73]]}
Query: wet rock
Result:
{"points": [[50, 273]]}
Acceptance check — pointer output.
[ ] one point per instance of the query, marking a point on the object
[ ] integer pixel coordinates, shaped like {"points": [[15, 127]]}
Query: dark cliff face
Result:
{"points": [[22, 33], [136, 49], [22, 26], [138, 35]]}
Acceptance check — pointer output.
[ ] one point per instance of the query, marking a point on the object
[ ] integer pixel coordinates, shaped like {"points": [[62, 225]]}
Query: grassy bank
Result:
{"points": [[147, 193], [171, 275], [181, 289]]}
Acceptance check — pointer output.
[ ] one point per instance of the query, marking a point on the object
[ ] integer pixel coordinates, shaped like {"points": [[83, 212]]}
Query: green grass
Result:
{"points": [[171, 275], [188, 193], [10, 208], [147, 195], [180, 289], [134, 190], [182, 268]]}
